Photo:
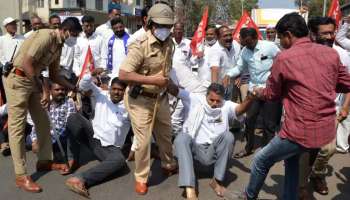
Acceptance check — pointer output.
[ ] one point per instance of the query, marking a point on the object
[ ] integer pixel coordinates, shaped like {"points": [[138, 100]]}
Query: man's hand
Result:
{"points": [[159, 80], [45, 100], [257, 92], [97, 71], [200, 54], [238, 82], [343, 114], [226, 81], [172, 88]]}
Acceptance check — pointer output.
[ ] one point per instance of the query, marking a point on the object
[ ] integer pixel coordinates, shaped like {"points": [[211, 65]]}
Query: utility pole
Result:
{"points": [[20, 16], [242, 8], [324, 8]]}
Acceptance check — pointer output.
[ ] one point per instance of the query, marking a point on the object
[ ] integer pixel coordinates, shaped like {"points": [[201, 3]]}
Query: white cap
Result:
{"points": [[8, 20], [270, 26]]}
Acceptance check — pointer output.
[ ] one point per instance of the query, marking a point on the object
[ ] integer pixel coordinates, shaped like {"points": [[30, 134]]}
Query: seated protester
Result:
{"points": [[104, 136], [4, 137], [60, 108], [205, 136]]}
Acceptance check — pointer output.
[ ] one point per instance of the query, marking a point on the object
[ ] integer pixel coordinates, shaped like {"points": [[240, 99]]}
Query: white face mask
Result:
{"points": [[162, 33], [211, 42], [71, 41]]}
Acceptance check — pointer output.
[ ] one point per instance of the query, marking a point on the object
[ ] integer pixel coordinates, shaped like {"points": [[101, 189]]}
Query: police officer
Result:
{"points": [[23, 87], [146, 69]]}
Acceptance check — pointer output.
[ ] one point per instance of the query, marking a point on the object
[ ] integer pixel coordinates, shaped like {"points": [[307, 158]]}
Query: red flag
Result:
{"points": [[334, 11], [245, 21], [199, 36], [88, 63]]}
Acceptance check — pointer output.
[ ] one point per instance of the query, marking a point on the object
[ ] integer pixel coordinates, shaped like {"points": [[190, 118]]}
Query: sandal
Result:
{"points": [[77, 186]]}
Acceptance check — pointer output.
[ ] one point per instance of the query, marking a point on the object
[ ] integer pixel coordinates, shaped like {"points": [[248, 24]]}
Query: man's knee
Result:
{"points": [[182, 139]]}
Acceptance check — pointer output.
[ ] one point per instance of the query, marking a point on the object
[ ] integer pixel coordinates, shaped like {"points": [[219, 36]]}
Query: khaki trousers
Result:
{"points": [[141, 113], [22, 97], [318, 166]]}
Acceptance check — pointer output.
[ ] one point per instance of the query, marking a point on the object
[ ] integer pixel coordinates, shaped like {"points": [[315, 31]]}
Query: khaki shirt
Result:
{"points": [[45, 47], [147, 56]]}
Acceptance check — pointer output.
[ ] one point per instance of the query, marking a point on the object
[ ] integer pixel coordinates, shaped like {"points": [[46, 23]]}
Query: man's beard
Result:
{"points": [[120, 34], [327, 42]]}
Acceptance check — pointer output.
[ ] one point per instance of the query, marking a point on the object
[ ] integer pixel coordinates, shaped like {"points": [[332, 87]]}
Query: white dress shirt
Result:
{"points": [[67, 57], [345, 60], [209, 128], [204, 72], [223, 58], [105, 30], [182, 53], [7, 46], [26, 35], [111, 123], [136, 35], [119, 55], [96, 44], [341, 36]]}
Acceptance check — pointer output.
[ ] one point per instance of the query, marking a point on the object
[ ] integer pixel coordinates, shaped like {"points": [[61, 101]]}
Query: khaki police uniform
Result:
{"points": [[148, 57], [44, 46]]}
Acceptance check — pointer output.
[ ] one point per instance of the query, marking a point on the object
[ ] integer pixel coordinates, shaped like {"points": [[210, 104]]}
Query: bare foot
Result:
{"points": [[218, 189], [191, 193]]}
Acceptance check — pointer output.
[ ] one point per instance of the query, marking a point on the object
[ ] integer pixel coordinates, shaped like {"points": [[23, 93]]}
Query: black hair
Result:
{"points": [[144, 11], [294, 23], [116, 20], [210, 26], [72, 24], [248, 32], [88, 19], [217, 89], [116, 80], [53, 17], [219, 29], [317, 21]]}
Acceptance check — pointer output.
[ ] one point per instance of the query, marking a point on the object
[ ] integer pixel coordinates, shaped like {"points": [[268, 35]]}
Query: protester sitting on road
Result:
{"points": [[60, 108], [104, 136], [205, 135]]}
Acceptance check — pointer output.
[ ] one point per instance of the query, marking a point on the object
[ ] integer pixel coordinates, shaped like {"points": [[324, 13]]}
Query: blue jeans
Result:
{"points": [[278, 149]]}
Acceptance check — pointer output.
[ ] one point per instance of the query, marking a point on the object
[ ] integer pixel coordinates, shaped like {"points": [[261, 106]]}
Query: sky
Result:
{"points": [[276, 4]]}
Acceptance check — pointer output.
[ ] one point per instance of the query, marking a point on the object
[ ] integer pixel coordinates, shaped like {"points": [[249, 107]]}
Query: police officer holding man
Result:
{"points": [[146, 69], [23, 87]]}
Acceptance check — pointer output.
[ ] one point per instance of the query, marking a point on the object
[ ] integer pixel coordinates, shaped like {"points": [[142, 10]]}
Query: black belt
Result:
{"points": [[149, 94]]}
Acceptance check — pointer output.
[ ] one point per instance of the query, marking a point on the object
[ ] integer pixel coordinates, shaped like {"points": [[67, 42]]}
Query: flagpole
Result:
{"points": [[324, 7], [242, 4]]}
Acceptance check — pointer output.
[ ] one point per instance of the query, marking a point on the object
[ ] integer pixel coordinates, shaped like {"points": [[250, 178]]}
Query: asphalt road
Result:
{"points": [[121, 187]]}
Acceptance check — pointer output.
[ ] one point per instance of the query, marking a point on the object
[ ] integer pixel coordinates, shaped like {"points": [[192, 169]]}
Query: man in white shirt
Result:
{"points": [[105, 30], [87, 39], [223, 56], [104, 136], [36, 24], [143, 29], [115, 48], [204, 72], [10, 42], [205, 135], [182, 53], [67, 55]]}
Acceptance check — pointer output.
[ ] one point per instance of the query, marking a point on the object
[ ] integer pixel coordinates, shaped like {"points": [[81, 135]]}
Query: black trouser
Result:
{"points": [[111, 157], [271, 117]]}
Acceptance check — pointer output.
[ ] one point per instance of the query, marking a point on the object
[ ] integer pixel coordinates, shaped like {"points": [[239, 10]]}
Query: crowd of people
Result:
{"points": [[129, 97]]}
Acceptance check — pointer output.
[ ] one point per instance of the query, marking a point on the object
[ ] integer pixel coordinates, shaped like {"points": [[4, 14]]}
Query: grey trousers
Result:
{"points": [[218, 154]]}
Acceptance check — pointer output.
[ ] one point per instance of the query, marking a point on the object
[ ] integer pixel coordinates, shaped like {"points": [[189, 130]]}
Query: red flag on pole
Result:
{"points": [[334, 11], [88, 63], [245, 21], [197, 43]]}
